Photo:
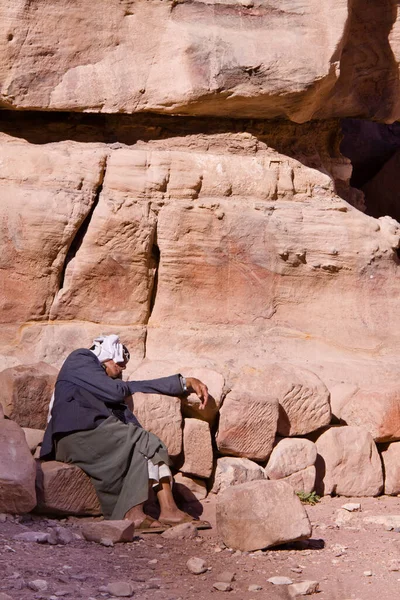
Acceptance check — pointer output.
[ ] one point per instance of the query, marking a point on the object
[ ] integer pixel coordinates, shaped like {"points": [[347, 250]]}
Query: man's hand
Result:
{"points": [[199, 388]]}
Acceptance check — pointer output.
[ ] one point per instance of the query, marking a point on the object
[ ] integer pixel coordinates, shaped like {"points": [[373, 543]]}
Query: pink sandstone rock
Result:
{"points": [[248, 420], [116, 248], [232, 471], [376, 411], [290, 456], [114, 531], [178, 66], [260, 514], [191, 59], [65, 490], [33, 437], [26, 393], [302, 481], [215, 383], [162, 416], [197, 448], [53, 187], [189, 488], [390, 454], [303, 398], [340, 394], [17, 470], [348, 463]]}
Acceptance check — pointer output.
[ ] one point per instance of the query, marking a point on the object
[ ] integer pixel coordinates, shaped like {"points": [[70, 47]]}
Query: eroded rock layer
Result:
{"points": [[299, 59]]}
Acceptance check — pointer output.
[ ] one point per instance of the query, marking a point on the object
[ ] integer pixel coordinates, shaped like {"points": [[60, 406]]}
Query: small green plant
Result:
{"points": [[310, 498]]}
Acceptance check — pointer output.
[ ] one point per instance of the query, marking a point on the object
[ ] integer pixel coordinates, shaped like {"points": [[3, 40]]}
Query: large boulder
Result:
{"points": [[64, 489], [233, 471], [376, 411], [248, 420], [303, 398], [197, 448], [289, 456], [348, 463], [293, 460], [162, 416], [25, 393], [17, 470], [260, 514], [390, 454]]}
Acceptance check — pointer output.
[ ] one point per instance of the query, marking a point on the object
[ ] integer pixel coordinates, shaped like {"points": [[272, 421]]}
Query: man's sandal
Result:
{"points": [[145, 526], [187, 519]]}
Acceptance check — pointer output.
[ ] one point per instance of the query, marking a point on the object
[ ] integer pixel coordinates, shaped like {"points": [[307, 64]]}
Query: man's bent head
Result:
{"points": [[112, 354]]}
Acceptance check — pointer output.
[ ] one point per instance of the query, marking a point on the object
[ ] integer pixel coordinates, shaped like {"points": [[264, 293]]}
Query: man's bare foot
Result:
{"points": [[140, 519], [175, 516]]}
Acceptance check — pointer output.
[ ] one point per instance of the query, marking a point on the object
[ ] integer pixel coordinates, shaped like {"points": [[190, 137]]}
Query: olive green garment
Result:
{"points": [[114, 455]]}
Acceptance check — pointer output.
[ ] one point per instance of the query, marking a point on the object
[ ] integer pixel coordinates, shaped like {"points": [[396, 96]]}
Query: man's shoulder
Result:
{"points": [[79, 356]]}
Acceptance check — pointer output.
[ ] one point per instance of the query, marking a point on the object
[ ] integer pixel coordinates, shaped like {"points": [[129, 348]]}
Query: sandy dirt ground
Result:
{"points": [[349, 557]]}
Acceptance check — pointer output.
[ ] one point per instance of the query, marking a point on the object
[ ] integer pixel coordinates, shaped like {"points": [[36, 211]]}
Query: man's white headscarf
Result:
{"points": [[105, 347], [108, 347]]}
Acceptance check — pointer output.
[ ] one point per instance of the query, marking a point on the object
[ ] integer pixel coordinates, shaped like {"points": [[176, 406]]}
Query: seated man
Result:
{"points": [[91, 427]]}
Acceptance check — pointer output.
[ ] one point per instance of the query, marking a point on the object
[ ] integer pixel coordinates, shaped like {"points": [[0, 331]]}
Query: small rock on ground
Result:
{"points": [[222, 586], [254, 588], [278, 580], [196, 565], [303, 588], [38, 585], [32, 536], [185, 531], [120, 589], [116, 531], [352, 506]]}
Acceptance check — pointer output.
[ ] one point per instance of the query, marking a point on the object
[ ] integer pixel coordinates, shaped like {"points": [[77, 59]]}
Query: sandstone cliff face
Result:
{"points": [[226, 249], [218, 231]]}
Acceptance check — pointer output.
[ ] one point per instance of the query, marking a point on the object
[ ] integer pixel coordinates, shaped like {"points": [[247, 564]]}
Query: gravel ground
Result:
{"points": [[350, 558]]}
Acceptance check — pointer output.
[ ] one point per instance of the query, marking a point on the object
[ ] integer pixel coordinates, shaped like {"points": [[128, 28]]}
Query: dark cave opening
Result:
{"points": [[374, 151]]}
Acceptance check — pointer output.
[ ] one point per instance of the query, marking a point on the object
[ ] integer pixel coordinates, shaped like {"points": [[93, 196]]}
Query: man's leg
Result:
{"points": [[168, 508]]}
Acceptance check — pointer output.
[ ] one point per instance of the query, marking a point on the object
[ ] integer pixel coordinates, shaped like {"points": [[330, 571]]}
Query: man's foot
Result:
{"points": [[142, 521], [150, 525], [185, 518]]}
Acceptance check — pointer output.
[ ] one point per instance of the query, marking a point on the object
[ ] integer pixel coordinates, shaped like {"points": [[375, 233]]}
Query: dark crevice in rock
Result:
{"points": [[118, 130], [77, 240], [370, 146], [155, 258]]}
